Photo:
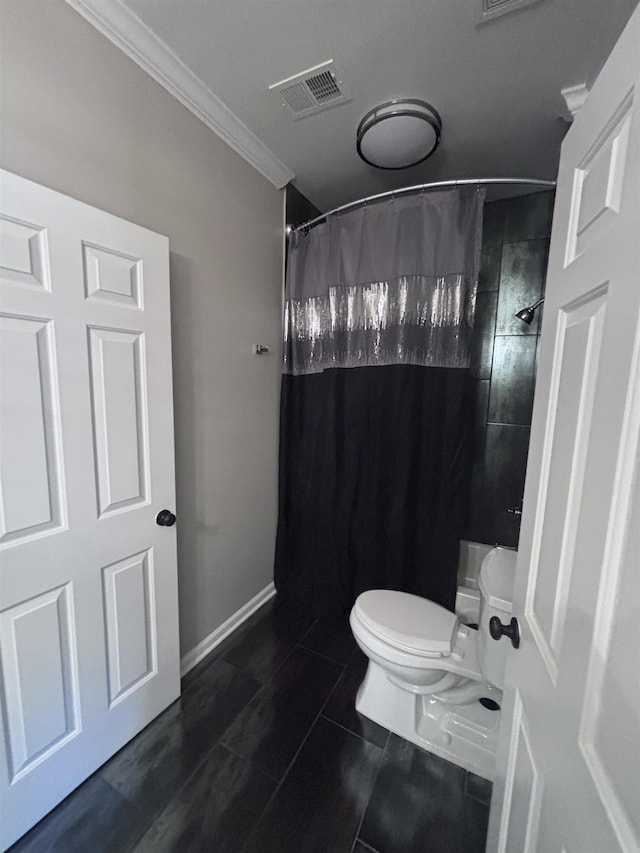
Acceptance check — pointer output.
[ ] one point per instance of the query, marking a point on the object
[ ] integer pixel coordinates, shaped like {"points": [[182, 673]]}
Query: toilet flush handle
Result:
{"points": [[512, 630]]}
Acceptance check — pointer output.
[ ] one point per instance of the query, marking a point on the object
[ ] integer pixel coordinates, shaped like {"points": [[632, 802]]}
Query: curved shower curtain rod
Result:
{"points": [[430, 186]]}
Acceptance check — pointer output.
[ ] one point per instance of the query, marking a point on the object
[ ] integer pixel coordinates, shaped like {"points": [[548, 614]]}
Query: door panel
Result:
{"points": [[577, 349], [612, 692], [30, 467], [131, 624], [523, 788], [112, 276], [118, 396], [40, 678], [88, 580], [24, 255], [598, 182]]}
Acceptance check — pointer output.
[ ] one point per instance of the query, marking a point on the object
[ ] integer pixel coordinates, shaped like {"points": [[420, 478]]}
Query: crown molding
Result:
{"points": [[574, 98], [126, 31]]}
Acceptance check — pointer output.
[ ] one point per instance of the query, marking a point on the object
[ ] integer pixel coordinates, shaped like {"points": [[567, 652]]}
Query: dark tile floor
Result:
{"points": [[263, 752]]}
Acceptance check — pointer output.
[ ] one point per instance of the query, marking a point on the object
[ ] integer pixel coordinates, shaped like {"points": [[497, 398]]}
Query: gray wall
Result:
{"points": [[81, 118], [515, 245]]}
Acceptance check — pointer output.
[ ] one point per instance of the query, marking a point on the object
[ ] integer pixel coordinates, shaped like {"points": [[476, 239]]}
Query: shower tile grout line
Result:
{"points": [[506, 423], [357, 840]]}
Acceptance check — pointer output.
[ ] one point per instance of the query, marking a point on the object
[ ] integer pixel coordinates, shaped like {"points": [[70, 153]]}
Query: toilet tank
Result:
{"points": [[497, 574]]}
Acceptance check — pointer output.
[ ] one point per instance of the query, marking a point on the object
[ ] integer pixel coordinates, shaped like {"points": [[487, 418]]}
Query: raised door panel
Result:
{"points": [[39, 678], [609, 736], [31, 470], [130, 618], [112, 276], [120, 419], [24, 255], [577, 348], [523, 791], [598, 183]]}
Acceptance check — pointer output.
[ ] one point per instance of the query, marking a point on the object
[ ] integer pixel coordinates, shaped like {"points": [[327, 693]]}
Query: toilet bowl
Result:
{"points": [[431, 678]]}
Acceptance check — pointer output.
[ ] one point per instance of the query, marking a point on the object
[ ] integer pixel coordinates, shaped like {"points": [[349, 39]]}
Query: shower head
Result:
{"points": [[526, 314]]}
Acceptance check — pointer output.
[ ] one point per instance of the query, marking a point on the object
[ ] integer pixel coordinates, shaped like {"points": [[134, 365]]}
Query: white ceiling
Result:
{"points": [[496, 84]]}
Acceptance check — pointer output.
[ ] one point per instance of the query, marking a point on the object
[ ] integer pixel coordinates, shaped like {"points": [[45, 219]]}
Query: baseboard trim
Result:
{"points": [[220, 633]]}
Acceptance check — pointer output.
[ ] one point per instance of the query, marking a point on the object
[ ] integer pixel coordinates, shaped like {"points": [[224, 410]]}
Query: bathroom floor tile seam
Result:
{"points": [[255, 754], [206, 754], [319, 715], [357, 841], [323, 716], [281, 782]]}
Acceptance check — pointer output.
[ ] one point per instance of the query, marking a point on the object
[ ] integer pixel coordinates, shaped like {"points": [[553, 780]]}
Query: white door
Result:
{"points": [[88, 581], [568, 777]]}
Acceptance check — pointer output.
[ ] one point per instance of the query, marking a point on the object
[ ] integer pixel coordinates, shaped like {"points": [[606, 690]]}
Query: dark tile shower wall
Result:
{"points": [[298, 207], [515, 243]]}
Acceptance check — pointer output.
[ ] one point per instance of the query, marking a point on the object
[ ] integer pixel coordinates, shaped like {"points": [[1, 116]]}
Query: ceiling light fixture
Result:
{"points": [[399, 134]]}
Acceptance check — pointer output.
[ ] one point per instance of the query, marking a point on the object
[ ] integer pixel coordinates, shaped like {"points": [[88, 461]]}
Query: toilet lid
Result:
{"points": [[407, 621]]}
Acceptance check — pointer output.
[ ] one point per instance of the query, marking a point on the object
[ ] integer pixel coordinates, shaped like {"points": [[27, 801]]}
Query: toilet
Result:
{"points": [[432, 679]]}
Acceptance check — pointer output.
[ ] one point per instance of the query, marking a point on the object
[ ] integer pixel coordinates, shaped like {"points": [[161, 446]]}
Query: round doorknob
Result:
{"points": [[512, 630], [165, 518]]}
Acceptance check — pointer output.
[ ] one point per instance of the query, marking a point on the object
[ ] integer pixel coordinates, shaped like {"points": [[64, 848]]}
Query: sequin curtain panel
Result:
{"points": [[374, 411], [393, 283]]}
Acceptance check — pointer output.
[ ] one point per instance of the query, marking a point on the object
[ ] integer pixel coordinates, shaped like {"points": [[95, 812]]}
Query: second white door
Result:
{"points": [[569, 761]]}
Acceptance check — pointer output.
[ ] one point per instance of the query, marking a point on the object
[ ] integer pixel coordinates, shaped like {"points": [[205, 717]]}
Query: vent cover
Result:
{"points": [[495, 8], [312, 91]]}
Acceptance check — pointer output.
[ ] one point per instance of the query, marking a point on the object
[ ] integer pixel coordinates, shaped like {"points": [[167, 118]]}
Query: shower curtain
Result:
{"points": [[374, 467]]}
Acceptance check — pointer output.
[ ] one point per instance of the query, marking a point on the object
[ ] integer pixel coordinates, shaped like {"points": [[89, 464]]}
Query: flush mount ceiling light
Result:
{"points": [[399, 134]]}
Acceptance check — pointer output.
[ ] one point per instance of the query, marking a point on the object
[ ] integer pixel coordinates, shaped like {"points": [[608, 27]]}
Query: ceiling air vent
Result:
{"points": [[494, 8], [311, 91]]}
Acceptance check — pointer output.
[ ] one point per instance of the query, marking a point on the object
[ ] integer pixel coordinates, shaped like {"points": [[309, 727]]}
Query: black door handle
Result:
{"points": [[165, 518], [512, 630]]}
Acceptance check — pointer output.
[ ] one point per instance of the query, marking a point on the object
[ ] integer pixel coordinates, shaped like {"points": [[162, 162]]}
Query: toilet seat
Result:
{"points": [[427, 669], [407, 622]]}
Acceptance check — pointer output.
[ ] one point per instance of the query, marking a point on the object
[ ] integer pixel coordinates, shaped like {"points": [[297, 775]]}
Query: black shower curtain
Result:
{"points": [[374, 462]]}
